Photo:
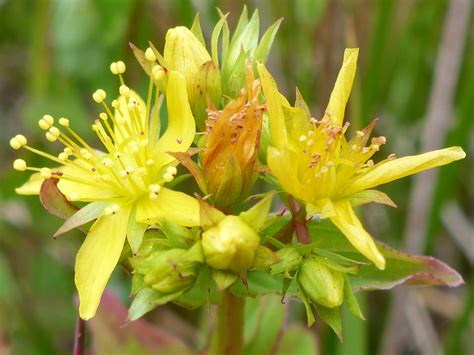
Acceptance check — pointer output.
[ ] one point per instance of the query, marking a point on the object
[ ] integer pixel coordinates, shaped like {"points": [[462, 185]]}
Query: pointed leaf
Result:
{"points": [[331, 317], [369, 196], [196, 29], [256, 216], [263, 48], [86, 214], [223, 279], [264, 258], [350, 301]]}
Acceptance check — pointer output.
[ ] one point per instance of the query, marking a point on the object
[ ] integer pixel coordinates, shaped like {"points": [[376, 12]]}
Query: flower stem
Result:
{"points": [[299, 221], [79, 336], [230, 325]]}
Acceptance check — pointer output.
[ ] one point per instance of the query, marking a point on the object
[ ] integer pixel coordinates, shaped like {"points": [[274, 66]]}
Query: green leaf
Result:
{"points": [[370, 196], [223, 279], [263, 48], [259, 283], [297, 340], [86, 214], [307, 305], [135, 231], [269, 318], [350, 301], [401, 268], [200, 293], [196, 29], [178, 236], [331, 317], [147, 300], [256, 216], [215, 39], [264, 258]]}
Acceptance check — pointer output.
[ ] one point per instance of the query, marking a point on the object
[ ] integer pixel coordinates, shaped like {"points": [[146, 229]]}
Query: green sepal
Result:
{"points": [[196, 29], [256, 216], [350, 300], [264, 258], [147, 300], [331, 317], [223, 279], [178, 236]]}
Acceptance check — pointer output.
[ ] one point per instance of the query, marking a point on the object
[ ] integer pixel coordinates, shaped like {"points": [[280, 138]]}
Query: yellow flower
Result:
{"points": [[229, 158], [314, 162], [126, 183]]}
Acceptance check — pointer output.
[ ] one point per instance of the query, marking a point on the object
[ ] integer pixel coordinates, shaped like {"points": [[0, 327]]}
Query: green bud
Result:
{"points": [[321, 284], [290, 260], [230, 245]]}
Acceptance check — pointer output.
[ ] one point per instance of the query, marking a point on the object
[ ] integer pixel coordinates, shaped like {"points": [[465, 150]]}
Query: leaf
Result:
{"points": [[269, 318], [86, 214], [196, 29], [259, 283], [256, 216], [370, 196], [215, 38], [178, 236], [331, 317], [350, 301], [297, 340], [112, 333], [54, 201], [401, 268], [135, 231], [264, 258], [200, 293], [263, 48], [147, 300], [209, 216], [223, 279]]}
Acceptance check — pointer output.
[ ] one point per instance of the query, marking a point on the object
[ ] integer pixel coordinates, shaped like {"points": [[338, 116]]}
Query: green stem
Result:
{"points": [[230, 325]]}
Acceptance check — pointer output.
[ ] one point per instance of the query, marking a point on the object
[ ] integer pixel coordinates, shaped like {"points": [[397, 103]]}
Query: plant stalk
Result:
{"points": [[230, 325], [79, 336]]}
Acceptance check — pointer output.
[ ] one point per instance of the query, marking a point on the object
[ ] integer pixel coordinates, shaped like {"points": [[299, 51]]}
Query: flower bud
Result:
{"points": [[290, 260], [230, 245], [321, 284], [230, 156]]}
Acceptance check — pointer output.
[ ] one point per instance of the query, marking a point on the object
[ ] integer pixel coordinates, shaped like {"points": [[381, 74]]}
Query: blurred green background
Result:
{"points": [[55, 53]]}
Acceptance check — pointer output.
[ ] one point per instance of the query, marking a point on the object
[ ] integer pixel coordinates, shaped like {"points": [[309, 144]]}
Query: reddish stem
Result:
{"points": [[299, 221], [79, 336]]}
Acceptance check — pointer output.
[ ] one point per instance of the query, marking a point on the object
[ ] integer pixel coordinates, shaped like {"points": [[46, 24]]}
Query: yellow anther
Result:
{"points": [[131, 105], [171, 170], [168, 177], [310, 142], [133, 147], [375, 147], [158, 72], [63, 156], [123, 173], [64, 122], [141, 172], [154, 188], [115, 104], [360, 134], [121, 67], [19, 164], [43, 124], [303, 138], [54, 131], [370, 163], [68, 151], [99, 96], [392, 156], [114, 68], [49, 119], [95, 127], [150, 162], [124, 90], [153, 196], [51, 137], [45, 173], [149, 55], [365, 150], [107, 162], [103, 116]]}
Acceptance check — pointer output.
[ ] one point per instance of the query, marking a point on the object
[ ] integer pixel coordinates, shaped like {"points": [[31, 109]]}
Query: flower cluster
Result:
{"points": [[186, 248]]}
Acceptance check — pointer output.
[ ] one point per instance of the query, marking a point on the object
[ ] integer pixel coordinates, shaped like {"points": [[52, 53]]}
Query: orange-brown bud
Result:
{"points": [[230, 156]]}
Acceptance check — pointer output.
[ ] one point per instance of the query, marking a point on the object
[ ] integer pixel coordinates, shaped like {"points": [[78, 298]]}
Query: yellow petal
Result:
{"points": [[181, 126], [175, 206], [342, 88], [390, 170], [275, 111], [123, 112], [283, 165], [346, 220], [97, 258], [32, 186]]}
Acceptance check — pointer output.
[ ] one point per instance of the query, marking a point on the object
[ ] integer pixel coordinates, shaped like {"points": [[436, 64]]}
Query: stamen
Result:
{"points": [[19, 165]]}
